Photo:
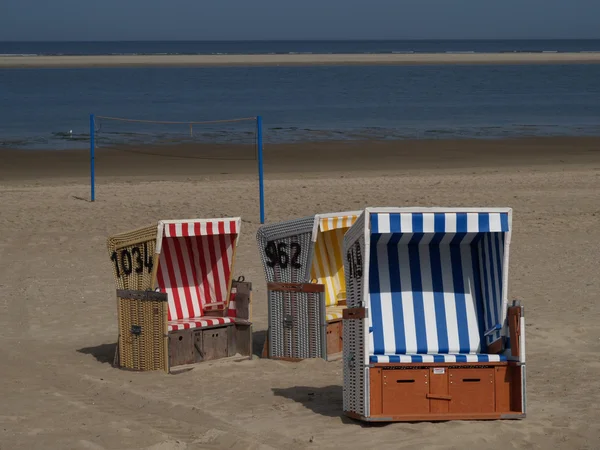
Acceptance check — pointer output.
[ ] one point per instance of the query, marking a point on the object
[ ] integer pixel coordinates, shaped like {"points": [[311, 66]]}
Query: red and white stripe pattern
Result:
{"points": [[185, 324], [205, 227], [232, 311], [195, 265]]}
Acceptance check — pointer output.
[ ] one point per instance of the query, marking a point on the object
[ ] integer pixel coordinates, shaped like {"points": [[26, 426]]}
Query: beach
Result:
{"points": [[58, 318], [71, 61]]}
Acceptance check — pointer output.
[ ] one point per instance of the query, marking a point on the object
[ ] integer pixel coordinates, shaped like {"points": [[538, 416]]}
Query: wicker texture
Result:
{"points": [[355, 372], [286, 250], [142, 330], [132, 256], [295, 326], [354, 369]]}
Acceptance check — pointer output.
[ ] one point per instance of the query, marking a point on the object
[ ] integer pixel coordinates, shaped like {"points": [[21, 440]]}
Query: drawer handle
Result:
{"points": [[472, 380], [405, 381], [438, 397]]}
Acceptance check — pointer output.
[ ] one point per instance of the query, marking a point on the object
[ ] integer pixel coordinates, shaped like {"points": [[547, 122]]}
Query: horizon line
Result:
{"points": [[307, 40]]}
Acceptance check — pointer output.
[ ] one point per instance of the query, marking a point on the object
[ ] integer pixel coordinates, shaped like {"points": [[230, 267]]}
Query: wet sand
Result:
{"points": [[58, 322], [290, 60], [201, 161]]}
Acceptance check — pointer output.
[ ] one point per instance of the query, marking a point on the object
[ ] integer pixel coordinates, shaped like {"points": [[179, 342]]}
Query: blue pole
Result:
{"points": [[261, 187], [92, 158]]}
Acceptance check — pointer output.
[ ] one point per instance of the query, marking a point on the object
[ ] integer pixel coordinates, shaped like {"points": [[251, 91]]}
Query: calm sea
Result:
{"points": [[40, 107]]}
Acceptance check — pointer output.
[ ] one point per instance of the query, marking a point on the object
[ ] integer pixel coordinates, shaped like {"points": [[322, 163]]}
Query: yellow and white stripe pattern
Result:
{"points": [[328, 262], [334, 313]]}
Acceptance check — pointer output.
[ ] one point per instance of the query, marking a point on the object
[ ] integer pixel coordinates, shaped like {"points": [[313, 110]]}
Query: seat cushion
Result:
{"points": [[334, 313], [198, 322], [437, 358]]}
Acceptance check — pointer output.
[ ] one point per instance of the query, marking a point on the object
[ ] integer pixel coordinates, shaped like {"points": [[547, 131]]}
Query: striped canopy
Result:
{"points": [[437, 280], [328, 265], [195, 263]]}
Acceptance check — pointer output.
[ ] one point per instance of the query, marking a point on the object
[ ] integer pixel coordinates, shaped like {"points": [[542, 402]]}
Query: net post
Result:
{"points": [[261, 188], [92, 159]]}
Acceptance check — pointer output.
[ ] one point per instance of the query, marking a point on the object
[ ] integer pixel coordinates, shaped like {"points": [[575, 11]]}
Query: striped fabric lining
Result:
{"points": [[328, 264], [441, 222], [439, 358], [491, 257], [334, 223], [200, 227], [186, 324], [195, 269], [334, 313], [424, 297], [232, 310]]}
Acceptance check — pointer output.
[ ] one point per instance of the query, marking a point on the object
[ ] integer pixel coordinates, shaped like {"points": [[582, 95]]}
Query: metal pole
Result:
{"points": [[261, 187], [92, 158]]}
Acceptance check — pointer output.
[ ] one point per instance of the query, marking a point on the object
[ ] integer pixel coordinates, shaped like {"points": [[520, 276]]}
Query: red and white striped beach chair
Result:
{"points": [[207, 312]]}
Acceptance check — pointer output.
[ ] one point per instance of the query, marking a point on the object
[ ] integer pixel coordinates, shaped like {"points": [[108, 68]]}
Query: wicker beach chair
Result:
{"points": [[428, 333], [303, 262], [177, 300]]}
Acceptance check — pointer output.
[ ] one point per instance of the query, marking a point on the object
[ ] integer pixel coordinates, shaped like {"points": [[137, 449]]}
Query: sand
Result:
{"points": [[57, 308], [290, 60]]}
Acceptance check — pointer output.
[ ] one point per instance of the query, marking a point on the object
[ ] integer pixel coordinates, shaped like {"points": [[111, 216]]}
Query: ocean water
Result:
{"points": [[50, 108]]}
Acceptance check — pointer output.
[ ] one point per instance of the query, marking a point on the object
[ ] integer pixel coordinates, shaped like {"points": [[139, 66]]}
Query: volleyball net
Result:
{"points": [[235, 139]]}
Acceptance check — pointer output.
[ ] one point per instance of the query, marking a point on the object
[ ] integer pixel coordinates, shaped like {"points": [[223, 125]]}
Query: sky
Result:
{"points": [[304, 19]]}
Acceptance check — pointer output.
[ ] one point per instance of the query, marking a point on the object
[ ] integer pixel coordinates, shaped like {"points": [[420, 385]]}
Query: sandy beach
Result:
{"points": [[58, 317], [28, 61]]}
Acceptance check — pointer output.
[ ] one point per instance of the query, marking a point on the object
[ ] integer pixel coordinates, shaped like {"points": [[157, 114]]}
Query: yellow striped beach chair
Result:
{"points": [[305, 321]]}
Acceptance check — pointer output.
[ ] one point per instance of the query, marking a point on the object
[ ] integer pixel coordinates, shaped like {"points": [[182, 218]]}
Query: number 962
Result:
{"points": [[277, 255]]}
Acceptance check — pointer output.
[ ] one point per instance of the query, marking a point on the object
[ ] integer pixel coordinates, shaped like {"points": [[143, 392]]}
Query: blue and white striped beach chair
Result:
{"points": [[428, 333]]}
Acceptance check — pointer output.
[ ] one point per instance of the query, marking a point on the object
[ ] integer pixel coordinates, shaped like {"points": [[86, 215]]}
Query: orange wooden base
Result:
{"points": [[334, 337], [434, 392]]}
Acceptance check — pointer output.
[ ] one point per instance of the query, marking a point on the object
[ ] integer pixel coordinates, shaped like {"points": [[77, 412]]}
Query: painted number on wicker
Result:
{"points": [[355, 262], [135, 260], [277, 254]]}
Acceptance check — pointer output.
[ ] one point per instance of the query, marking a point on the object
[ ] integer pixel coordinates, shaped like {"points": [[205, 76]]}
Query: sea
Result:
{"points": [[51, 108]]}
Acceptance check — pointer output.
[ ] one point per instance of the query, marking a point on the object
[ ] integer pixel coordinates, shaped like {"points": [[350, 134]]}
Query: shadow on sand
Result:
{"points": [[326, 401], [104, 353]]}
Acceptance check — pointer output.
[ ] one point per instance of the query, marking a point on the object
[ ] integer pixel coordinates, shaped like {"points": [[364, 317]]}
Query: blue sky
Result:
{"points": [[306, 19]]}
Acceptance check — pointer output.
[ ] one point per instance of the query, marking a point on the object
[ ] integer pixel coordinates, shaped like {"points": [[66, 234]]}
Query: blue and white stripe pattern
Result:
{"points": [[439, 222], [435, 285], [439, 358]]}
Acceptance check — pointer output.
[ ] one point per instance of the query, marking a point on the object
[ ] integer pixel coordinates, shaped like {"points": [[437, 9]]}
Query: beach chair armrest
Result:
{"points": [[515, 313], [216, 309], [342, 302], [216, 306], [243, 300], [355, 313], [492, 330], [497, 347]]}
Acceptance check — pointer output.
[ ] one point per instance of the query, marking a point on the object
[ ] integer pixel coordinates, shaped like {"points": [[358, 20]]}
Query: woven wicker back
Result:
{"points": [[132, 256], [286, 250]]}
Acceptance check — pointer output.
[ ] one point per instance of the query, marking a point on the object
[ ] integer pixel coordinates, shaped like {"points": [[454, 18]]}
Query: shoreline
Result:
{"points": [[339, 158], [294, 60]]}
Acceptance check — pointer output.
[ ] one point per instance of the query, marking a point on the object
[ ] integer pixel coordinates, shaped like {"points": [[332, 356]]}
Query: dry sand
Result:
{"points": [[57, 309], [287, 60]]}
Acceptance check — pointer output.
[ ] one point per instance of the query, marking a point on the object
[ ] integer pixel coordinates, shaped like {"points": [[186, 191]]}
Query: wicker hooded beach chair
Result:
{"points": [[428, 333], [177, 300], [303, 262]]}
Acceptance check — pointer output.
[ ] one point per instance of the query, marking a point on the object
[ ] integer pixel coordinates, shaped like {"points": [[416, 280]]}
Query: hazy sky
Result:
{"points": [[304, 19]]}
